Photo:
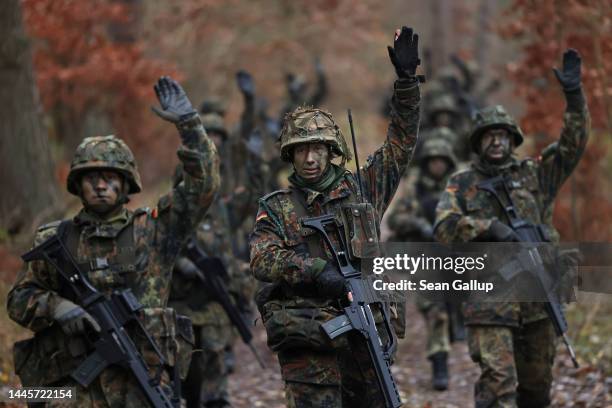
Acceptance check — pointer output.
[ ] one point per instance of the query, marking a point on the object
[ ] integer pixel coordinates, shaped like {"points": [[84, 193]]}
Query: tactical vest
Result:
{"points": [[292, 316], [358, 219], [50, 356]]}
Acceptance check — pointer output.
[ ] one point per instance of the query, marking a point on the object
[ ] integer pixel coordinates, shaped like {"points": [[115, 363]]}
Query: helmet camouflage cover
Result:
{"points": [[213, 122], [443, 103], [311, 125], [104, 152], [212, 105], [494, 117], [437, 143]]}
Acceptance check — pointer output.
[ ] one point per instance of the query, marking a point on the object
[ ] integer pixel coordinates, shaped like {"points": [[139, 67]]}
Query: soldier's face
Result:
{"points": [[310, 160], [437, 167], [443, 119], [496, 145], [101, 189]]}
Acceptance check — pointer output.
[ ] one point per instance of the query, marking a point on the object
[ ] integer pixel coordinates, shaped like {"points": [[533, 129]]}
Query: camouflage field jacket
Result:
{"points": [[464, 211]]}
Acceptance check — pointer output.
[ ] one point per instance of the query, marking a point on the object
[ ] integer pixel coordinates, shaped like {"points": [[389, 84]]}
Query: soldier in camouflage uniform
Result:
{"points": [[412, 220], [443, 111], [297, 88], [514, 343], [207, 381], [122, 249], [302, 285]]}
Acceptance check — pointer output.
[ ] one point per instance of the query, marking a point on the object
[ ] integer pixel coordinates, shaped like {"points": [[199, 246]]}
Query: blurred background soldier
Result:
{"points": [[412, 221], [217, 235]]}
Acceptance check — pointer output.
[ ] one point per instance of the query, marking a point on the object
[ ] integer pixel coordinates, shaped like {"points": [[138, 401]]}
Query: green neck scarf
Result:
{"points": [[329, 179]]}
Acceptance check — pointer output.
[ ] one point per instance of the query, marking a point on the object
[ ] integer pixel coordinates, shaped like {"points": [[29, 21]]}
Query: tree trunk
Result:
{"points": [[29, 189]]}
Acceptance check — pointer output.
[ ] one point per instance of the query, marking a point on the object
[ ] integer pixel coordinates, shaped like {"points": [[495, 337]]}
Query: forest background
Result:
{"points": [[76, 68]]}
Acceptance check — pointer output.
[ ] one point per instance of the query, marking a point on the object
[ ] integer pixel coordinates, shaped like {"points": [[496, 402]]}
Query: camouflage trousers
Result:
{"points": [[330, 379], [515, 363], [436, 321], [114, 388], [207, 379]]}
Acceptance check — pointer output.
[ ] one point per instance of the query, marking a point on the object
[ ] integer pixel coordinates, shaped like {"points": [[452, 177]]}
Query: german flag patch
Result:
{"points": [[261, 215]]}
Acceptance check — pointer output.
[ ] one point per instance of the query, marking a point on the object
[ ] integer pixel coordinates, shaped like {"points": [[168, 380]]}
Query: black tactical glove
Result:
{"points": [[73, 318], [405, 53], [569, 77], [499, 232], [245, 83], [175, 104], [330, 283]]}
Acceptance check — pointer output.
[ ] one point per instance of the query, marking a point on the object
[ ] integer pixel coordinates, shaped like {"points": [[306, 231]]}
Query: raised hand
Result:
{"points": [[245, 83], [405, 52], [569, 77], [173, 100]]}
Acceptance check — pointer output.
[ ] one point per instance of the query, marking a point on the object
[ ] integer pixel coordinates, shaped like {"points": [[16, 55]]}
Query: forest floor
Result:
{"points": [[590, 386]]}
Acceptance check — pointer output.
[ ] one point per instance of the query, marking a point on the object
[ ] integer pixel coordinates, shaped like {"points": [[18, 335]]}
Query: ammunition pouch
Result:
{"points": [[361, 230], [297, 323], [50, 356]]}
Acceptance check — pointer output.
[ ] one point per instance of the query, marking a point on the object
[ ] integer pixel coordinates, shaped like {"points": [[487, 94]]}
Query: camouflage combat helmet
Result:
{"points": [[494, 117], [443, 103], [212, 105], [311, 125], [437, 144], [104, 152], [433, 89], [447, 73], [213, 122]]}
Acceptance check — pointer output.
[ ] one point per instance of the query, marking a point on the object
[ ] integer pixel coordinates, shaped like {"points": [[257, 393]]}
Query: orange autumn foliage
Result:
{"points": [[83, 65], [544, 29]]}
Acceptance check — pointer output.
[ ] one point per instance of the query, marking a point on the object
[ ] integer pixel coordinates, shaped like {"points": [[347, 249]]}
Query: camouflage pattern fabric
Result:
{"points": [[516, 364], [158, 235], [104, 152], [217, 236], [411, 220], [494, 117], [280, 255], [437, 324], [464, 212], [207, 381], [303, 395], [341, 378], [413, 215]]}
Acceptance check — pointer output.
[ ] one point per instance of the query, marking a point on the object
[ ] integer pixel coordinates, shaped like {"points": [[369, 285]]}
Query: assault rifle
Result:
{"points": [[529, 258], [358, 314], [212, 280], [113, 345]]}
